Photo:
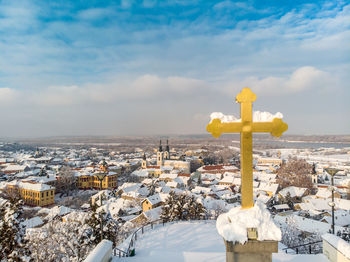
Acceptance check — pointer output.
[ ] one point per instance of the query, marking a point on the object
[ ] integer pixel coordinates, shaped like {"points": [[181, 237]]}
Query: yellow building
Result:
{"points": [[154, 171], [34, 194], [270, 161], [90, 180], [151, 202]]}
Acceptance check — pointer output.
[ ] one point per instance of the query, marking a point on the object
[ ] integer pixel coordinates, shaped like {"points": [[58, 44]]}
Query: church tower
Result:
{"points": [[167, 151], [104, 166], [160, 155], [144, 161], [314, 176]]}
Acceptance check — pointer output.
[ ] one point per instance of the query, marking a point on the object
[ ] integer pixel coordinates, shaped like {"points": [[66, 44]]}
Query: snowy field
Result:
{"points": [[193, 242]]}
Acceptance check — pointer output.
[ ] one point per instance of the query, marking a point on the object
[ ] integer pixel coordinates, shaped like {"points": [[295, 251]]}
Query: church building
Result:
{"points": [[165, 163]]}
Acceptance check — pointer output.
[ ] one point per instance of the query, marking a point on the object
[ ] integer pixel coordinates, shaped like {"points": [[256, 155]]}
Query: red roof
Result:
{"points": [[326, 186], [156, 167], [213, 167]]}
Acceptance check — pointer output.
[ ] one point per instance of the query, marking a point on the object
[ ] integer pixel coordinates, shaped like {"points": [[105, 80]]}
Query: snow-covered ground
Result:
{"points": [[193, 242]]}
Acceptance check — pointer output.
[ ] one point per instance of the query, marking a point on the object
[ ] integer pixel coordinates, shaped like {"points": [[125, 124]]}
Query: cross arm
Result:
{"points": [[276, 127], [216, 127]]}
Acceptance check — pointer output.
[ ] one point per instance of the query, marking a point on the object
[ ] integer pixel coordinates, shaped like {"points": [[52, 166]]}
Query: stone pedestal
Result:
{"points": [[251, 251]]}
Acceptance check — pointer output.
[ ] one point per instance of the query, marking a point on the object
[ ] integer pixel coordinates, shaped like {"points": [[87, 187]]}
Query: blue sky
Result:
{"points": [[161, 67]]}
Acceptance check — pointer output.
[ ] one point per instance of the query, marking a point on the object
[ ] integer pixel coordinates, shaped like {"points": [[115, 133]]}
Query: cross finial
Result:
{"points": [[246, 127], [246, 96]]}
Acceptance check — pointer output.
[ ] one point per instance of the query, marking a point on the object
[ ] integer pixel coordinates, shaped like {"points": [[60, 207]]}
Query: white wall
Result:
{"points": [[332, 253], [101, 253]]}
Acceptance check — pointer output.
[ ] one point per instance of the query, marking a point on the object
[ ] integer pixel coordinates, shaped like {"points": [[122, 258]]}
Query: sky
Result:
{"points": [[151, 67]]}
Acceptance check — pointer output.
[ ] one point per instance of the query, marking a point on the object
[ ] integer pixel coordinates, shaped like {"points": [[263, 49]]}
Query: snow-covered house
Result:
{"points": [[280, 208], [167, 177], [148, 216], [151, 202], [14, 169], [326, 193], [269, 188], [173, 184], [32, 222], [292, 191], [227, 180], [201, 190]]}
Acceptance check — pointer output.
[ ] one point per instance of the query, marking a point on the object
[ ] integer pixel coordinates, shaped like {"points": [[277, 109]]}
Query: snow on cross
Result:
{"points": [[246, 127]]}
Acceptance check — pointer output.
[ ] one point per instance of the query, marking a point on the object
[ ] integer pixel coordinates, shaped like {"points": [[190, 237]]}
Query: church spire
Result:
{"points": [[160, 146], [167, 146]]}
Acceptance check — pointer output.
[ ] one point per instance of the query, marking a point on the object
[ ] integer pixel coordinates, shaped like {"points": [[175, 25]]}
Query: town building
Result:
{"points": [[164, 163], [32, 193], [90, 180], [151, 202]]}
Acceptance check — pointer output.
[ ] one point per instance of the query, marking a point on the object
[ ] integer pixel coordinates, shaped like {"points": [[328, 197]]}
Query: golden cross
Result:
{"points": [[246, 127]]}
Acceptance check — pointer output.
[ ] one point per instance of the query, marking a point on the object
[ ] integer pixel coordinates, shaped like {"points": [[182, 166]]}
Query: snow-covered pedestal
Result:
{"points": [[251, 251], [233, 227]]}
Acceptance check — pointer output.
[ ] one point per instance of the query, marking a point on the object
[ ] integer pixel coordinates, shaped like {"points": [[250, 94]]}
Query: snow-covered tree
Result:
{"points": [[110, 226], [152, 188], [182, 207], [43, 172], [196, 209], [60, 241], [344, 234], [12, 243], [292, 236], [167, 210]]}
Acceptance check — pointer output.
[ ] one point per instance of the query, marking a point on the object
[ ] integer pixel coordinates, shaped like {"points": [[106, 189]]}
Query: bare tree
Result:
{"points": [[11, 193], [66, 181], [296, 172]]}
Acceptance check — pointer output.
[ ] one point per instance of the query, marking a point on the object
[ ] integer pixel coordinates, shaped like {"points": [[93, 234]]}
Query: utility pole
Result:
{"points": [[101, 176], [332, 172]]}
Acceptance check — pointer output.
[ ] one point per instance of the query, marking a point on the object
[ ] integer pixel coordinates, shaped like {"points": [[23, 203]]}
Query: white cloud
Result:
{"points": [[307, 77], [57, 96], [7, 96], [95, 13], [120, 89], [147, 87], [302, 79]]}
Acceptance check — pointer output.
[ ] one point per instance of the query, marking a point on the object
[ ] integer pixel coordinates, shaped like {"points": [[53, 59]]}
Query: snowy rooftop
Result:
{"points": [[293, 191], [155, 199], [31, 185], [33, 222], [306, 224]]}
